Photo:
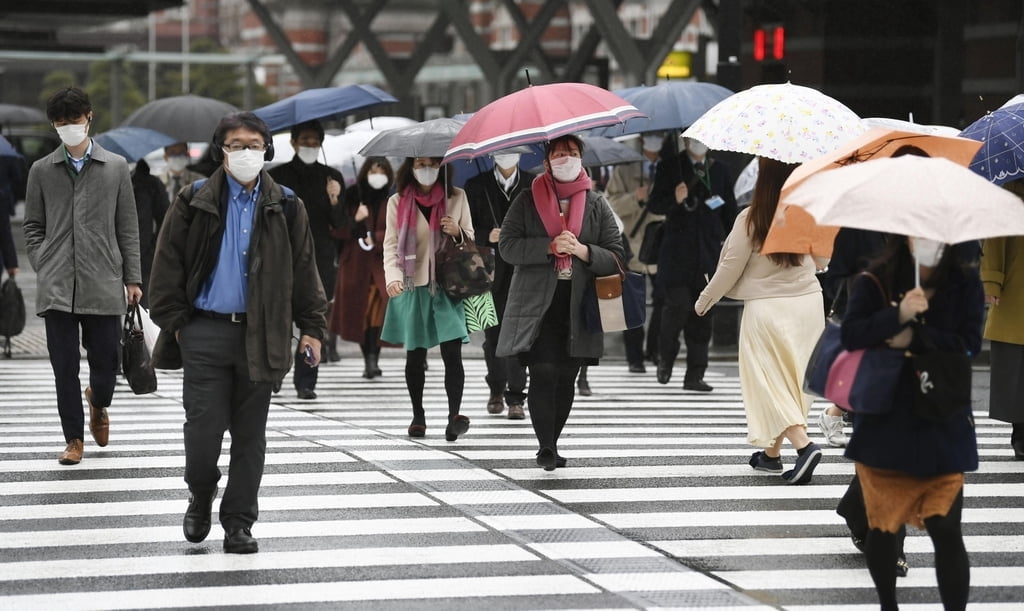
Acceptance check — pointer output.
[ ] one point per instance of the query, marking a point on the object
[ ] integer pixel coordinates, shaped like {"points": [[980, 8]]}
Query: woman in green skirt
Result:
{"points": [[421, 214]]}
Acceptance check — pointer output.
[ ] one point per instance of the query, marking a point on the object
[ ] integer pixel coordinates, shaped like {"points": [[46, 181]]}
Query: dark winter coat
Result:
{"points": [[488, 204], [358, 269], [310, 183], [525, 244], [694, 232], [284, 286], [901, 440], [150, 206]]}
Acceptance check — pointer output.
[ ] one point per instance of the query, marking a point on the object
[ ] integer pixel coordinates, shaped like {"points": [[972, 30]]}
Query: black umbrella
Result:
{"points": [[186, 118], [15, 114]]}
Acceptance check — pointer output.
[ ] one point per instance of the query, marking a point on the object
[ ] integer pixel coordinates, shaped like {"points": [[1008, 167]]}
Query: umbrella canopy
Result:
{"points": [[324, 103], [16, 114], [1001, 132], [537, 114], [923, 197], [597, 151], [133, 143], [668, 106], [379, 124], [908, 126], [425, 139], [186, 118], [786, 122]]}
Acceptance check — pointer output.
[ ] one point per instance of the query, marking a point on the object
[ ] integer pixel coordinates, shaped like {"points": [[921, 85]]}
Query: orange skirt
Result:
{"points": [[375, 308], [892, 498]]}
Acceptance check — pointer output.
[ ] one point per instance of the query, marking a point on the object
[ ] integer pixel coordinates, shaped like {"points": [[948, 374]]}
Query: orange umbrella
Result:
{"points": [[795, 231]]}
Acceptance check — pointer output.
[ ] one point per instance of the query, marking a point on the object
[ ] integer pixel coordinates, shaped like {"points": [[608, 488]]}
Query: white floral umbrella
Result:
{"points": [[786, 122]]}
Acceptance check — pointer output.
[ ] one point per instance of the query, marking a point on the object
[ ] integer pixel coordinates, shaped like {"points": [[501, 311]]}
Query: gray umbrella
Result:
{"points": [[15, 114], [186, 118], [425, 139]]}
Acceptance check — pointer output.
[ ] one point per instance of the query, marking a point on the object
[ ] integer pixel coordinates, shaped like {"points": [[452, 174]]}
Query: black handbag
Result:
{"points": [[943, 385], [136, 363], [12, 313], [463, 269], [650, 247]]}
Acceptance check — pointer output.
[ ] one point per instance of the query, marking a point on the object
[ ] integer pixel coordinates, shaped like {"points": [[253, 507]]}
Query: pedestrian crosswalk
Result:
{"points": [[657, 507]]}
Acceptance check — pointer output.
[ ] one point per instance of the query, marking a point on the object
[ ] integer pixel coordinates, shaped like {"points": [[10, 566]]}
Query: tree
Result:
{"points": [[99, 88], [225, 82], [54, 81]]}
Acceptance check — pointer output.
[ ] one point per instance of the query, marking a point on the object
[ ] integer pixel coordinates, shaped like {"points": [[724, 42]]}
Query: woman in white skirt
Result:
{"points": [[782, 319]]}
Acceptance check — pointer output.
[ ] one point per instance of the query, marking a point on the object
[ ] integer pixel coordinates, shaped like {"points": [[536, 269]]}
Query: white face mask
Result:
{"points": [[245, 166], [506, 161], [177, 163], [73, 134], [927, 252], [426, 176], [652, 143], [696, 148], [308, 154], [377, 181], [566, 169]]}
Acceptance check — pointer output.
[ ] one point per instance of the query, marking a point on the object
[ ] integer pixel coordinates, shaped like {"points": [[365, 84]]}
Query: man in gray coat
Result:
{"points": [[234, 269], [82, 236]]}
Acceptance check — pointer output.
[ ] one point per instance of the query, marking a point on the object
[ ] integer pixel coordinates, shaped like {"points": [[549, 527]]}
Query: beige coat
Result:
{"points": [[457, 208], [1002, 275], [621, 195]]}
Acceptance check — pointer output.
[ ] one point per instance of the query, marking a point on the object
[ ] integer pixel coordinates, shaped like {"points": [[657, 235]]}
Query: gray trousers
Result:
{"points": [[219, 396]]}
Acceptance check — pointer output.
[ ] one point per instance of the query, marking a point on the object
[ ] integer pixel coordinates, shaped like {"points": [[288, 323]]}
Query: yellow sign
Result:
{"points": [[676, 65]]}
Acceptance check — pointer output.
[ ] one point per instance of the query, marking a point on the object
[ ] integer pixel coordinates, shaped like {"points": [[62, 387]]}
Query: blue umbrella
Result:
{"points": [[668, 106], [328, 102], [1001, 156], [133, 143]]}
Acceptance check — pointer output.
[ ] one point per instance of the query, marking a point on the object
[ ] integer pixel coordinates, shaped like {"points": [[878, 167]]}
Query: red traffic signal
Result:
{"points": [[769, 41]]}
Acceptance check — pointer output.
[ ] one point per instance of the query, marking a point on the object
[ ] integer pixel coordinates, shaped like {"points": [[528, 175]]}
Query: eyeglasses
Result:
{"points": [[235, 147]]}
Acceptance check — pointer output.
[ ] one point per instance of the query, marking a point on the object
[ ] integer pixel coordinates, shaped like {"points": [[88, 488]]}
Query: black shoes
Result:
{"points": [[762, 462], [547, 458], [240, 541], [456, 426], [637, 368], [583, 385], [1018, 449], [664, 372], [805, 464], [371, 369], [307, 394], [699, 385], [196, 524]]}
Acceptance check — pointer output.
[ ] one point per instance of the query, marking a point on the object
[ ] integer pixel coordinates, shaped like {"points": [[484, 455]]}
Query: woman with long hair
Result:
{"points": [[559, 235], [911, 464], [360, 295], [420, 215], [782, 318]]}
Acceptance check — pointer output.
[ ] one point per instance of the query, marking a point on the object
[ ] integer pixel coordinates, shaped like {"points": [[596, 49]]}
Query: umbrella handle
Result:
{"points": [[366, 243]]}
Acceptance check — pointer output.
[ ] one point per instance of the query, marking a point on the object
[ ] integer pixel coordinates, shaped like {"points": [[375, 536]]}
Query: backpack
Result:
{"points": [[12, 313], [289, 205]]}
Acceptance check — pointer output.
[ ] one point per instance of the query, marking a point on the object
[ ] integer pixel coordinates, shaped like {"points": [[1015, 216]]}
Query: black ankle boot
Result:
{"points": [[372, 370]]}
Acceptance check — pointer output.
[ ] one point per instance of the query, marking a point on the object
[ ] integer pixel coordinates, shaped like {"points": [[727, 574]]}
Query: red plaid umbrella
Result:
{"points": [[537, 114]]}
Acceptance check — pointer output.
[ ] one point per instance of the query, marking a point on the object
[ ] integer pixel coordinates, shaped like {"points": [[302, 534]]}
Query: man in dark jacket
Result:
{"points": [[319, 187], [150, 206], [695, 193], [490, 194], [234, 269]]}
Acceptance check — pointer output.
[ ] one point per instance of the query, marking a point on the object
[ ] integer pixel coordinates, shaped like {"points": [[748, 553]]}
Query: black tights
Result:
{"points": [[454, 378], [371, 342], [952, 567], [552, 389]]}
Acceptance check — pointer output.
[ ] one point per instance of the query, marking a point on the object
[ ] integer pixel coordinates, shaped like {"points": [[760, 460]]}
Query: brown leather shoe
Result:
{"points": [[99, 422], [496, 404], [515, 412], [72, 455]]}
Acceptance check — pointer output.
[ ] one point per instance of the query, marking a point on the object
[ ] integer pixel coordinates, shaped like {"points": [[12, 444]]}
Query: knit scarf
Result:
{"points": [[546, 193], [408, 208]]}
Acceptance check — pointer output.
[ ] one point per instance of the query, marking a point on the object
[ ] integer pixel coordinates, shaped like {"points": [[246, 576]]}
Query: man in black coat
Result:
{"points": [[490, 193], [696, 194], [319, 187]]}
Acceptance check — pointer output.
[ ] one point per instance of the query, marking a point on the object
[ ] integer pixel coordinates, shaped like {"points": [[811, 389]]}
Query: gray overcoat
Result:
{"points": [[525, 244], [82, 233]]}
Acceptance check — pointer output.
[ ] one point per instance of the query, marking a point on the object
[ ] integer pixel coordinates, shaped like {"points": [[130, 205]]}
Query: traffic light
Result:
{"points": [[770, 42]]}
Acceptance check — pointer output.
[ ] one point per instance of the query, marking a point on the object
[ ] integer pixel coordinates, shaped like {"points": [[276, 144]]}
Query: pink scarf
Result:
{"points": [[546, 193], [408, 209]]}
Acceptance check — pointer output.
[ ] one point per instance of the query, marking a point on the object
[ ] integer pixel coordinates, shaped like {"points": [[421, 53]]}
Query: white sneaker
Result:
{"points": [[832, 429]]}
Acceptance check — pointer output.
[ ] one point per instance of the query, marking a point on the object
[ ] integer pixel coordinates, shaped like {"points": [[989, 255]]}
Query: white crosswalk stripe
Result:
{"points": [[656, 509]]}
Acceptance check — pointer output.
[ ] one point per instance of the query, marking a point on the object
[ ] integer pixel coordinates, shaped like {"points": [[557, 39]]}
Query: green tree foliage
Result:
{"points": [[225, 82], [99, 89], [54, 81]]}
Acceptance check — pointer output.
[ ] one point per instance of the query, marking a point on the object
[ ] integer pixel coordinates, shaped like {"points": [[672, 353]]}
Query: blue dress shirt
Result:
{"points": [[226, 289]]}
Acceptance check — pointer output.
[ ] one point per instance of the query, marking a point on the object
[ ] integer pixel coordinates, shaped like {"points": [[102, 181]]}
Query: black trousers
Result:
{"points": [[100, 336], [552, 371], [219, 396], [677, 315], [306, 376], [634, 338], [505, 375]]}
